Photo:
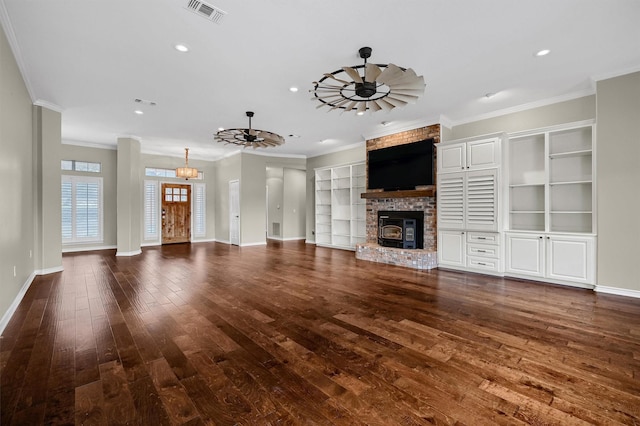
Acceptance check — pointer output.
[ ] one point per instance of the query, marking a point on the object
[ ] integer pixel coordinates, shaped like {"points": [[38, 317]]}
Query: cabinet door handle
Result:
{"points": [[540, 237], [481, 238], [481, 263], [481, 251]]}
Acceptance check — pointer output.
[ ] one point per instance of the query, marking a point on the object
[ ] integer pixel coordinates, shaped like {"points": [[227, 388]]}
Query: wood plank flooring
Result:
{"points": [[293, 334]]}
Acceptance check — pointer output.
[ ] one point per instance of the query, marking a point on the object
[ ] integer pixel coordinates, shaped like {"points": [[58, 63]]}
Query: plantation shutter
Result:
{"points": [[199, 207], [151, 210]]}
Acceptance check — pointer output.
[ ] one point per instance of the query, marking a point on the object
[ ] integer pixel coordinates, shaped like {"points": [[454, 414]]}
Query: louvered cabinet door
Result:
{"points": [[482, 200], [451, 198]]}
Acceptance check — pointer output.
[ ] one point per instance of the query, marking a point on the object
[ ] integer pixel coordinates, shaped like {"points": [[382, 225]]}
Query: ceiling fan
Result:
{"points": [[249, 137], [368, 86]]}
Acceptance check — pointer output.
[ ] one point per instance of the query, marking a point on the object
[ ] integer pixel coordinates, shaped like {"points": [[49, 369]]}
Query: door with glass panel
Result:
{"points": [[176, 213]]}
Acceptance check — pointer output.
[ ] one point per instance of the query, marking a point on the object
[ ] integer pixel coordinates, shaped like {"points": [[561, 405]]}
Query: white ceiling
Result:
{"points": [[90, 59]]}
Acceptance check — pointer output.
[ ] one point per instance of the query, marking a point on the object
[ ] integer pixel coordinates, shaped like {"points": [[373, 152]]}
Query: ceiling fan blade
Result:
{"points": [[371, 72], [390, 73], [374, 106], [406, 78], [395, 102], [383, 104], [350, 106], [353, 73], [402, 97], [331, 76], [417, 85], [339, 104]]}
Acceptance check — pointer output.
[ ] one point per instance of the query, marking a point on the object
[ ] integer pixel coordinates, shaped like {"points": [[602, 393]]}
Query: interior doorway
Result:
{"points": [[234, 212], [176, 213]]}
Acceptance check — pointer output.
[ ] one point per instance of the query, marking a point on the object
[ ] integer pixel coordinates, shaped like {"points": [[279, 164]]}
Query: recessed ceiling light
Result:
{"points": [[360, 113], [138, 112], [293, 89], [220, 129], [294, 136], [489, 95], [543, 52], [181, 48]]}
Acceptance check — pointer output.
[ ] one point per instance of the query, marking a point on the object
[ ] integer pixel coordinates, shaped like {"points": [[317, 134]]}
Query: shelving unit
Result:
{"points": [[340, 212], [551, 229]]}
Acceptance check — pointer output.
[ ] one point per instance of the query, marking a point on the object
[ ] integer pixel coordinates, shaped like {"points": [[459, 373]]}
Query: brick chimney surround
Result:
{"points": [[420, 200]]}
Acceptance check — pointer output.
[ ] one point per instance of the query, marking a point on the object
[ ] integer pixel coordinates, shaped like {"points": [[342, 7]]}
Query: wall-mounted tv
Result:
{"points": [[401, 167]]}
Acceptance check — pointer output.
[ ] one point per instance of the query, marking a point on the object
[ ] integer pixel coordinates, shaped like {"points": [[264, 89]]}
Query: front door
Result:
{"points": [[176, 213]]}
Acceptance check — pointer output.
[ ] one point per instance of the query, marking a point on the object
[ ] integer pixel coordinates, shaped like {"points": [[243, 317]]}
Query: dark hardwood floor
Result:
{"points": [[293, 334]]}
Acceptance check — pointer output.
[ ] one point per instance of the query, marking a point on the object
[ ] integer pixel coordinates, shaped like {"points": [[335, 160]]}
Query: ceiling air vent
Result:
{"points": [[205, 10]]}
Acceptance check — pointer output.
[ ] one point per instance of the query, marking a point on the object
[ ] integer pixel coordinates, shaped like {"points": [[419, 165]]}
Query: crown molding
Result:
{"points": [[48, 105], [111, 147], [524, 107], [338, 149], [13, 44], [606, 76]]}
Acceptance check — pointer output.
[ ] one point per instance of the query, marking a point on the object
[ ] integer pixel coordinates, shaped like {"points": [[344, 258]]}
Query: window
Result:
{"points": [[199, 210], [81, 209], [167, 173], [150, 210], [80, 166]]}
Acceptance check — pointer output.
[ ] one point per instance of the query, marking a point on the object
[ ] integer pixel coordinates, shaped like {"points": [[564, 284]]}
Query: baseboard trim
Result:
{"points": [[261, 243], [617, 291], [87, 248], [128, 253], [16, 302], [48, 270], [286, 239]]}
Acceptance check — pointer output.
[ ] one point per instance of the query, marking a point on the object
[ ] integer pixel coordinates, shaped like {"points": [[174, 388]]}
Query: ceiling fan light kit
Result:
{"points": [[368, 86], [249, 137]]}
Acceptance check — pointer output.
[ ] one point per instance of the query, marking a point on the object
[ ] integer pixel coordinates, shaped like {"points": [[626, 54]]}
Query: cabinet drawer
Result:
{"points": [[483, 250], [483, 238], [485, 264]]}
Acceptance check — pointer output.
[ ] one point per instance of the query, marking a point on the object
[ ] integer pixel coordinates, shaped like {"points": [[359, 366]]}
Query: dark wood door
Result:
{"points": [[176, 213]]}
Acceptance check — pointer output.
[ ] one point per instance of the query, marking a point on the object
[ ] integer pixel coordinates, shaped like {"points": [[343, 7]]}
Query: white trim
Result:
{"points": [[263, 243], [13, 44], [128, 253], [98, 145], [134, 137], [48, 105], [286, 239], [525, 107], [310, 241], [268, 154], [208, 240], [617, 291], [152, 244], [564, 126], [16, 302], [88, 248], [223, 241], [48, 271], [614, 74], [401, 126]]}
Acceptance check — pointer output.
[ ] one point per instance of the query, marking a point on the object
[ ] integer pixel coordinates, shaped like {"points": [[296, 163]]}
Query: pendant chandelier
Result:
{"points": [[368, 86], [249, 137], [186, 172]]}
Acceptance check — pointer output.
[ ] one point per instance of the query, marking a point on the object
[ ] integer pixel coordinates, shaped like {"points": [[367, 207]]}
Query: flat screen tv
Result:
{"points": [[401, 167]]}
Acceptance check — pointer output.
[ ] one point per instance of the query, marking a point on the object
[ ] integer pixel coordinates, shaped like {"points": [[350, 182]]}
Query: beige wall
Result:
{"points": [[579, 109], [226, 170], [17, 210], [295, 196], [275, 200], [618, 182]]}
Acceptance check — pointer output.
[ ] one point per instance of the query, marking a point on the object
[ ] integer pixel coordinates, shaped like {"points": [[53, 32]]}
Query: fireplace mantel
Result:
{"points": [[413, 193]]}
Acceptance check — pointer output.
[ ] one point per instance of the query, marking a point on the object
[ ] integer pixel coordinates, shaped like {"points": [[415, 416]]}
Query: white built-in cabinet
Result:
{"points": [[551, 225], [468, 187], [340, 212]]}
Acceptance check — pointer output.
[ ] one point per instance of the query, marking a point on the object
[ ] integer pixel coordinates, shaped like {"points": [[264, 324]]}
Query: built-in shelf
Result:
{"points": [[411, 193]]}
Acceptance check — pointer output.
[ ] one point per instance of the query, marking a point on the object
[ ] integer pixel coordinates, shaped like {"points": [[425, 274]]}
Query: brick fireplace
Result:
{"points": [[422, 200]]}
